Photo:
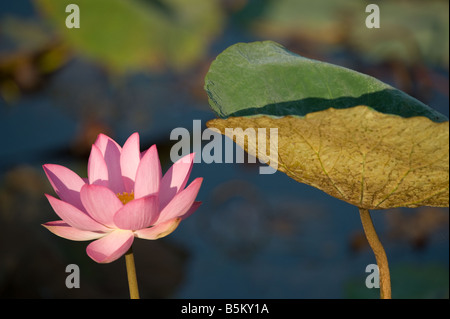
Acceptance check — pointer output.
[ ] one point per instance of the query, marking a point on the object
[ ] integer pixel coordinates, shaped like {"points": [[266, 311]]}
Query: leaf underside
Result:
{"points": [[366, 158], [346, 133]]}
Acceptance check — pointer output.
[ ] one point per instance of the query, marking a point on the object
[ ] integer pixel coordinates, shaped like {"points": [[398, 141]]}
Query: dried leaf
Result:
{"points": [[366, 158]]}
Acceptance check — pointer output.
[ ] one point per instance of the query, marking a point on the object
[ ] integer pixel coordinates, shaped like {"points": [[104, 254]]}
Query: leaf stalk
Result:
{"points": [[380, 254]]}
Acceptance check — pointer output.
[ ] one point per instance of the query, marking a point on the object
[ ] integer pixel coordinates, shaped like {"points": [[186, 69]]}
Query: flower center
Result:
{"points": [[125, 197]]}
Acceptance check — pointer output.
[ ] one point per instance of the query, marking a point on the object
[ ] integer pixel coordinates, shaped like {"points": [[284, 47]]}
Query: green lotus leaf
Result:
{"points": [[264, 78], [134, 35], [409, 33], [340, 131]]}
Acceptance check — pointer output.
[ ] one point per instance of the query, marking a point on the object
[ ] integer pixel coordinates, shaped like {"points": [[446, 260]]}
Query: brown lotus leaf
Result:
{"points": [[366, 158]]}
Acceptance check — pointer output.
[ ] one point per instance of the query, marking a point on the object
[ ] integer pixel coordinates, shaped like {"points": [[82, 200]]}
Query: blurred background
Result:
{"points": [[139, 65]]}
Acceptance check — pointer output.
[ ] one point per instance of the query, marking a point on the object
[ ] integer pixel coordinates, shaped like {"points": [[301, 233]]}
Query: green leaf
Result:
{"points": [[411, 31], [414, 33], [133, 35], [265, 78], [343, 132]]}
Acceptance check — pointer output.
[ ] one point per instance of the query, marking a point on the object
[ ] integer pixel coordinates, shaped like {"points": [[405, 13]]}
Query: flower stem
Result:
{"points": [[131, 273], [380, 254]]}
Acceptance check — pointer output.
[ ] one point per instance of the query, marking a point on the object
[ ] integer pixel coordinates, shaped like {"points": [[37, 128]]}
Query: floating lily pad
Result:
{"points": [[135, 35], [410, 31], [346, 133]]}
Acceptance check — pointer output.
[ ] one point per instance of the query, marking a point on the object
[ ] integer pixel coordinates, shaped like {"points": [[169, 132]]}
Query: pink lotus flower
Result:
{"points": [[124, 196]]}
